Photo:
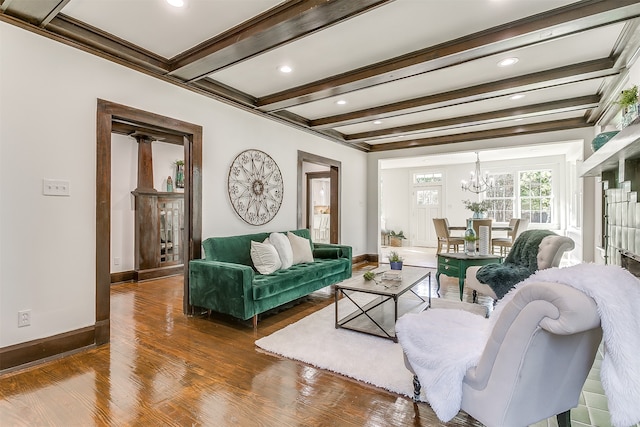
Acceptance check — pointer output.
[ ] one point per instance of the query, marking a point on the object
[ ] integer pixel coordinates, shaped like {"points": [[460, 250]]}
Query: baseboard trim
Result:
{"points": [[50, 348], [122, 276], [358, 259], [156, 273]]}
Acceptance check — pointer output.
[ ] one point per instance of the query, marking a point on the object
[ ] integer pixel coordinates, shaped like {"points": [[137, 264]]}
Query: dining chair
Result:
{"points": [[444, 236], [477, 223], [504, 244]]}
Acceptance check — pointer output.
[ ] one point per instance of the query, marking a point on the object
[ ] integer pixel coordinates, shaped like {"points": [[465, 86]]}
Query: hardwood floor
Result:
{"points": [[166, 369]]}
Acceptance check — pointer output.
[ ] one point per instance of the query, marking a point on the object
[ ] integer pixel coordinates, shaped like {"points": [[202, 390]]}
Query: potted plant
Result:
{"points": [[470, 244], [478, 208], [395, 260], [628, 100], [628, 97], [395, 239]]}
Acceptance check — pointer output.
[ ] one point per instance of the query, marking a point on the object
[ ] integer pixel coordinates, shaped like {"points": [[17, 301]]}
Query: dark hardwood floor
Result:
{"points": [[166, 369]]}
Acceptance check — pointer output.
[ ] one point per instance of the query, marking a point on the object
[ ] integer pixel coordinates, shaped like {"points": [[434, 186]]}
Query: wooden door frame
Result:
{"points": [[117, 118], [335, 180]]}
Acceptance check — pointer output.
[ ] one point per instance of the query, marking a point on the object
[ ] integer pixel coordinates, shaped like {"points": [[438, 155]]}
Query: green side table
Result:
{"points": [[456, 264]]}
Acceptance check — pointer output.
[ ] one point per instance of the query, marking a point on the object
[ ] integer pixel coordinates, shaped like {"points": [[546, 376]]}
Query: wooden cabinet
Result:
{"points": [[159, 234], [171, 215]]}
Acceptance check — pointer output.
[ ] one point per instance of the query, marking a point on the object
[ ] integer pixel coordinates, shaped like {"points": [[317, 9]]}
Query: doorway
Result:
{"points": [[328, 171], [318, 195], [426, 204], [120, 119]]}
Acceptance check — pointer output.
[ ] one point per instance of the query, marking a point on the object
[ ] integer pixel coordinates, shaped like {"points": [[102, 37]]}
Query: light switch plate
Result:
{"points": [[55, 187]]}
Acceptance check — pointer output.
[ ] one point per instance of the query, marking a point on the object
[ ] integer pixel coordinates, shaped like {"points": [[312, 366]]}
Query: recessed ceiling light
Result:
{"points": [[176, 3], [377, 122], [341, 102], [507, 61], [517, 96], [285, 69]]}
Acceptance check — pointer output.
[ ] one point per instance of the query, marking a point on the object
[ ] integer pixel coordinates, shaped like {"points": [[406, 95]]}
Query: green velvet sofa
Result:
{"points": [[226, 281]]}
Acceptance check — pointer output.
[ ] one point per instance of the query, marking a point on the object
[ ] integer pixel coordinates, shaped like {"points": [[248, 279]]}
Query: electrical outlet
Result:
{"points": [[55, 187], [116, 261], [24, 318]]}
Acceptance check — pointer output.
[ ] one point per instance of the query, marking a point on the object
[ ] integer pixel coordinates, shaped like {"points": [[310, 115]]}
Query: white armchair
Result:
{"points": [[550, 251], [539, 351]]}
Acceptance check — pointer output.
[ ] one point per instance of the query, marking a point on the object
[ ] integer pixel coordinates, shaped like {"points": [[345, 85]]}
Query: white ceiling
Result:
{"points": [[163, 29], [491, 155], [397, 28], [427, 69]]}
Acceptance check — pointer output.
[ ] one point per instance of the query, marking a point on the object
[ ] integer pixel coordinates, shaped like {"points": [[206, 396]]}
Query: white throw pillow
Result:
{"points": [[301, 248], [265, 257], [283, 247]]}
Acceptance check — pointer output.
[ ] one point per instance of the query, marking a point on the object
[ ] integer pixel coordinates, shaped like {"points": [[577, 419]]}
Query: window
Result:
{"points": [[531, 197], [427, 197], [535, 196], [501, 197], [427, 178]]}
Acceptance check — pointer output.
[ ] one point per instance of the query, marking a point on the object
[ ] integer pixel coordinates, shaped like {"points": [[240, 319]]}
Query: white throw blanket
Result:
{"points": [[441, 362], [441, 345]]}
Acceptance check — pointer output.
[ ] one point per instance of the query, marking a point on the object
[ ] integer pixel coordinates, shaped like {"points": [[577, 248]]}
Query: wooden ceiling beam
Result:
{"points": [[506, 132], [276, 27], [226, 92], [555, 107], [624, 52], [541, 28], [33, 12], [94, 38], [559, 76]]}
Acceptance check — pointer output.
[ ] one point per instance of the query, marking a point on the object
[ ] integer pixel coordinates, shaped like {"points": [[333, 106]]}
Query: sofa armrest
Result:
{"points": [[222, 286], [344, 250]]}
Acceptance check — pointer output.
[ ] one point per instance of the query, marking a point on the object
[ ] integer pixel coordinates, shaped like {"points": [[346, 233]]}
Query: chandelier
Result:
{"points": [[478, 183]]}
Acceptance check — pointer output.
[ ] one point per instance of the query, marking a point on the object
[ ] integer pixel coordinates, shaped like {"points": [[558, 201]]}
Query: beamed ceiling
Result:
{"points": [[412, 73]]}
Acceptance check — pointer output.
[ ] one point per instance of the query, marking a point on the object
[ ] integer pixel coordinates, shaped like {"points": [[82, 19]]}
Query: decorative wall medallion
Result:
{"points": [[255, 187]]}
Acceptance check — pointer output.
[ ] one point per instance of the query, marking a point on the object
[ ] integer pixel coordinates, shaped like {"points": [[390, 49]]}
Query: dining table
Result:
{"points": [[493, 227]]}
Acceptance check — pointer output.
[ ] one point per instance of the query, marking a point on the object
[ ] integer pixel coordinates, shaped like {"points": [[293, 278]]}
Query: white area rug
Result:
{"points": [[316, 341]]}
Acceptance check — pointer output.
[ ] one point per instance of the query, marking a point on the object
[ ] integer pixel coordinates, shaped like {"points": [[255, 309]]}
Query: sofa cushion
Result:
{"points": [[301, 248], [265, 286], [265, 257], [283, 246], [326, 253], [234, 249]]}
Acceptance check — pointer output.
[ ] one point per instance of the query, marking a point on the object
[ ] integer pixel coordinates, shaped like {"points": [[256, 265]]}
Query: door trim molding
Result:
{"points": [[113, 117], [335, 167]]}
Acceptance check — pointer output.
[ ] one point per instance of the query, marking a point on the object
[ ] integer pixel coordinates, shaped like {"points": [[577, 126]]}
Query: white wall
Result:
{"points": [[49, 93]]}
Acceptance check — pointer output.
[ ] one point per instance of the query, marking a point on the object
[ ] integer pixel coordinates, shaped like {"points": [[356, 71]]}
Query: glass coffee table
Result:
{"points": [[392, 296]]}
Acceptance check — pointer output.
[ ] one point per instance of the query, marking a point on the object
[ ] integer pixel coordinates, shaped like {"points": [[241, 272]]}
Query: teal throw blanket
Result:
{"points": [[520, 263]]}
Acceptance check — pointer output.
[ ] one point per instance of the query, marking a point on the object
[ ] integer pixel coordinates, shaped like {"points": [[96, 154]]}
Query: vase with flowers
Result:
{"points": [[179, 173], [479, 209]]}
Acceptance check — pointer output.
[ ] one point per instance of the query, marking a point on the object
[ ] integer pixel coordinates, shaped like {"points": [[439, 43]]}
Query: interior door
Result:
{"points": [[426, 205]]}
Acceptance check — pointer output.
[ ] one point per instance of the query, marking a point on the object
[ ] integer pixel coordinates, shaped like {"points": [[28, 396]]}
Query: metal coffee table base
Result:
{"points": [[379, 315]]}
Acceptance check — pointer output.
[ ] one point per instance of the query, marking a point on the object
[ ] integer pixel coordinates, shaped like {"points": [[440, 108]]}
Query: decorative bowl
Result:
{"points": [[602, 139]]}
